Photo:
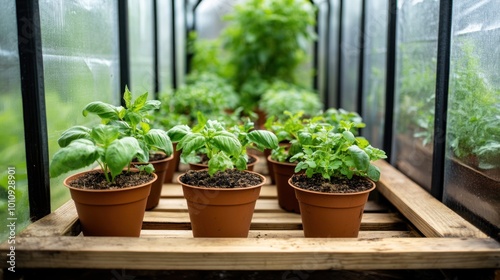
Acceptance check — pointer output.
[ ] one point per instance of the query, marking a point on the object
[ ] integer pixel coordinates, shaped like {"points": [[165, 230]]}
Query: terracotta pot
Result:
{"points": [[161, 168], [115, 212], [173, 166], [200, 166], [331, 214], [286, 194], [221, 212], [270, 166]]}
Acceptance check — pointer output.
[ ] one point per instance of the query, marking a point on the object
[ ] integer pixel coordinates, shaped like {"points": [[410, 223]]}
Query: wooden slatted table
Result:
{"points": [[411, 231]]}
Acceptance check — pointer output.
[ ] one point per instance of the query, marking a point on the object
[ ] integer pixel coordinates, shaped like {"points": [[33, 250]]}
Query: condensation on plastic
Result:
{"points": [[80, 59], [475, 24], [140, 28], [164, 15], [375, 54]]}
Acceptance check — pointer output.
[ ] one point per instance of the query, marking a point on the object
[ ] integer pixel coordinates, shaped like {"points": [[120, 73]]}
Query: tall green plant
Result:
{"points": [[268, 38]]}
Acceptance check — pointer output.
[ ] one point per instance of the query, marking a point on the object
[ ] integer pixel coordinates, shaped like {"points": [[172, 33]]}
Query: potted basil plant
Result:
{"points": [[110, 201], [337, 178], [221, 199], [133, 120]]}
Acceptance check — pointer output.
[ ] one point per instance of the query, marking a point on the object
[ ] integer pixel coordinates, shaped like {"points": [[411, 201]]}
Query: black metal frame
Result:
{"points": [[156, 84], [390, 78], [123, 46], [441, 101], [339, 55], [361, 65], [33, 96]]}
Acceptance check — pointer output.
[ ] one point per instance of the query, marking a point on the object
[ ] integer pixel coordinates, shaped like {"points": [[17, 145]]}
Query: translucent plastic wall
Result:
{"points": [[80, 57], [472, 174], [333, 58], [12, 152], [417, 30], [141, 46], [165, 50], [374, 71], [349, 54]]}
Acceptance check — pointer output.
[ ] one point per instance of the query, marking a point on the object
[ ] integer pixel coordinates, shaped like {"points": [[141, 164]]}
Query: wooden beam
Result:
{"points": [[428, 214], [254, 254]]}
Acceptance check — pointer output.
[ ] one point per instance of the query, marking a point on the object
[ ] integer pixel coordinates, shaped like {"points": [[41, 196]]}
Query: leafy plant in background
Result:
{"points": [[331, 153], [282, 96], [204, 93], [416, 99], [474, 112], [225, 149], [267, 40]]}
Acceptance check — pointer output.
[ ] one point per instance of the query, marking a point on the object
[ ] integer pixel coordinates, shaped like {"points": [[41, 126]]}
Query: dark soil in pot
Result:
{"points": [[95, 180], [231, 178], [334, 185]]}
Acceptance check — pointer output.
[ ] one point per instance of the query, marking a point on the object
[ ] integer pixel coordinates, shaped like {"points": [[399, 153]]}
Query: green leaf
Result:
{"points": [[227, 144], [104, 110], [127, 97], [177, 132], [139, 102], [360, 157], [263, 139], [78, 154], [373, 172], [159, 139], [105, 134], [151, 105], [120, 153], [349, 136], [133, 118], [73, 133], [219, 162], [191, 143]]}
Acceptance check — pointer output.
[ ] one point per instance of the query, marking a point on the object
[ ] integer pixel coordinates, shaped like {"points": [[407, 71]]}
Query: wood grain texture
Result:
{"points": [[387, 240], [429, 215], [255, 253]]}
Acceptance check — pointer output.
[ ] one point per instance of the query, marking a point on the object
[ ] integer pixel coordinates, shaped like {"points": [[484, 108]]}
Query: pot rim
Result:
{"points": [[374, 185], [155, 161], [76, 175], [223, 189], [279, 162]]}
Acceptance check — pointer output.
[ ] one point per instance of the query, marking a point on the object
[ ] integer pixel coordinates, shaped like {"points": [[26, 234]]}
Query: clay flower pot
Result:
{"points": [[221, 212], [161, 168], [286, 194], [173, 166], [113, 212], [331, 214]]}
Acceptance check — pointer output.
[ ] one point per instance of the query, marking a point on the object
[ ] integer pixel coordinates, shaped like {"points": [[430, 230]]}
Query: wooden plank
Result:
{"points": [[254, 254], [63, 221], [429, 215], [268, 221], [275, 234]]}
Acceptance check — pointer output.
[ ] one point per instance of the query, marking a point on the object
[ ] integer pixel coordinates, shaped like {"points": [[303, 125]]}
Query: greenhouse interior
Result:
{"points": [[401, 96]]}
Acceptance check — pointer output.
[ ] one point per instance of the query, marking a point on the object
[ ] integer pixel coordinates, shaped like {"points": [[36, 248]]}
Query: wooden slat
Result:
{"points": [[255, 253], [262, 205], [428, 214], [276, 234], [60, 222], [275, 221]]}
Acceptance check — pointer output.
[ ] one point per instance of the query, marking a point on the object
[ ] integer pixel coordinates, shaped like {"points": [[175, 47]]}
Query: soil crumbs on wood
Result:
{"points": [[231, 178], [334, 185], [95, 180]]}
